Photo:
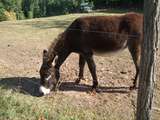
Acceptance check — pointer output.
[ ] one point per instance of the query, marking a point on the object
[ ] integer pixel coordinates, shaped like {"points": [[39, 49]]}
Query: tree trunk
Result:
{"points": [[148, 59]]}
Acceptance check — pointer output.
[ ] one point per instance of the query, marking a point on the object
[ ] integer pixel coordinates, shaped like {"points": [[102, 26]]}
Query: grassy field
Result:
{"points": [[21, 45]]}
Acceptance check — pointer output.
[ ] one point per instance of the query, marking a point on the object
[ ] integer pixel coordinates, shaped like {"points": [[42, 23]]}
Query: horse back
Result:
{"points": [[104, 33]]}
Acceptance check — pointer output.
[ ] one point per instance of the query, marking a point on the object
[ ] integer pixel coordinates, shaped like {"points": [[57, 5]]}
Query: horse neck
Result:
{"points": [[51, 53], [56, 46]]}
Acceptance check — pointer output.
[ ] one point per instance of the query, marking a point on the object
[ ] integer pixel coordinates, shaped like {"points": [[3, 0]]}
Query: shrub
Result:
{"points": [[30, 14], [2, 15], [20, 15], [10, 15]]}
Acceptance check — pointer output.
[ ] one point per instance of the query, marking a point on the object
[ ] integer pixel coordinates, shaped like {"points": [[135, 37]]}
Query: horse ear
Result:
{"points": [[44, 53]]}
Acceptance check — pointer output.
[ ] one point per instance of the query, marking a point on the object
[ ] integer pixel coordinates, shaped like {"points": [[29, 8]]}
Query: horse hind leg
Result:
{"points": [[135, 51], [81, 69]]}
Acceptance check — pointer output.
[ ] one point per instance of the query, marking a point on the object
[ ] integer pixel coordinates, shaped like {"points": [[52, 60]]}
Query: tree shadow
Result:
{"points": [[30, 86], [62, 24], [51, 24]]}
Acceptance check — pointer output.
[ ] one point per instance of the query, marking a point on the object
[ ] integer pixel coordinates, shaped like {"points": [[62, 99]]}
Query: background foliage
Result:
{"points": [[21, 9]]}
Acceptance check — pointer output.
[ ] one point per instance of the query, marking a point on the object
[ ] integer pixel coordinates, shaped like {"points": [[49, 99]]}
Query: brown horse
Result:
{"points": [[88, 36]]}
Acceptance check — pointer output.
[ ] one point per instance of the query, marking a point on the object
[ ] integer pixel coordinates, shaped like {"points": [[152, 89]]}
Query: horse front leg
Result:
{"points": [[81, 69], [61, 58], [92, 68]]}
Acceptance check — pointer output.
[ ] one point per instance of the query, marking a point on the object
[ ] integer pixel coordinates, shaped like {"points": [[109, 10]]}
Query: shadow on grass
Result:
{"points": [[30, 86], [62, 24], [25, 85], [50, 24]]}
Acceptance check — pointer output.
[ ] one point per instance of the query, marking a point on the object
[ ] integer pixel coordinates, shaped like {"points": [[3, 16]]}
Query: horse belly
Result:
{"points": [[108, 49], [107, 53]]}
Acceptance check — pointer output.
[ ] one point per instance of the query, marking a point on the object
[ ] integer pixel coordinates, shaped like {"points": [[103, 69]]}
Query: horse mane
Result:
{"points": [[57, 43]]}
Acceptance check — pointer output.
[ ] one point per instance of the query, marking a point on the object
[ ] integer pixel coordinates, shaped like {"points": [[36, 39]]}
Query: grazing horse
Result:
{"points": [[88, 36]]}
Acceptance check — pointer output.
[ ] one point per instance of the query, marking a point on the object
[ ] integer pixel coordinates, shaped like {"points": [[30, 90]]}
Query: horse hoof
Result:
{"points": [[77, 81], [94, 91]]}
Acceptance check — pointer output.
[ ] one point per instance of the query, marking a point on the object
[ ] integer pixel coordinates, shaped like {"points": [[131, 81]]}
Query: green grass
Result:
{"points": [[14, 106]]}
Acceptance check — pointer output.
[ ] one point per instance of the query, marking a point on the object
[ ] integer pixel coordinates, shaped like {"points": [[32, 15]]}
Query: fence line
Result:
{"points": [[101, 32]]}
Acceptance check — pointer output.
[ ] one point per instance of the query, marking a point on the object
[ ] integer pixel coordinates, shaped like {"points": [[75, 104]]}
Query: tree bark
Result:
{"points": [[148, 59]]}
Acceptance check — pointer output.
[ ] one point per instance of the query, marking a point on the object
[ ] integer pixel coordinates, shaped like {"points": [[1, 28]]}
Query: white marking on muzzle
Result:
{"points": [[44, 90]]}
